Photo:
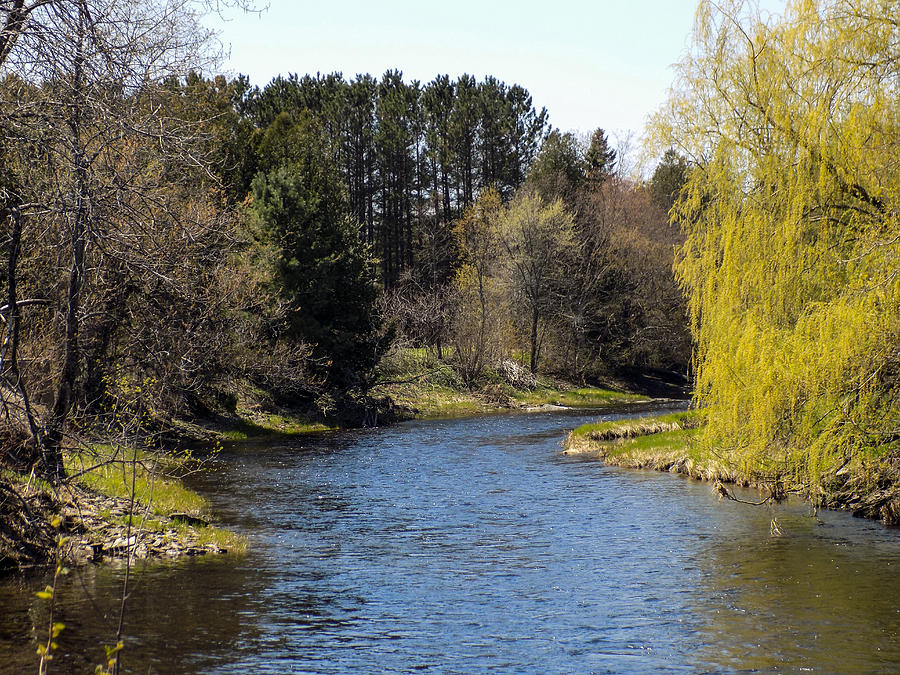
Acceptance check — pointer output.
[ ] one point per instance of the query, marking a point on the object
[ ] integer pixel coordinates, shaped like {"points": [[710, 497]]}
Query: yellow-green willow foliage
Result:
{"points": [[792, 262]]}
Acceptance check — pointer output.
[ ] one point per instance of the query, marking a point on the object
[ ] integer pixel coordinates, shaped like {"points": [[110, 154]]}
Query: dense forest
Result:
{"points": [[174, 241]]}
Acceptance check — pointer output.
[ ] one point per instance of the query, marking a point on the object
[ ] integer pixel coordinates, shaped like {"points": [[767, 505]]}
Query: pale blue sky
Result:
{"points": [[591, 64]]}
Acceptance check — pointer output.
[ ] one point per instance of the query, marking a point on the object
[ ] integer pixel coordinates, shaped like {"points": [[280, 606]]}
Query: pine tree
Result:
{"points": [[600, 158], [319, 266]]}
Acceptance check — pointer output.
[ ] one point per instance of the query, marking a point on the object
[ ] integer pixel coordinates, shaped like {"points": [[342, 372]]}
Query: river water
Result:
{"points": [[473, 546]]}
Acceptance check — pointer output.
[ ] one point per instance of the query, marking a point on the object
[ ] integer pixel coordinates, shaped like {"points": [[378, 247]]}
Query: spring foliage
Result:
{"points": [[792, 262]]}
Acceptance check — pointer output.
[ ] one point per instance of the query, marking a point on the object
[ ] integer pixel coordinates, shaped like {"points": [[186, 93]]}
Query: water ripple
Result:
{"points": [[474, 545]]}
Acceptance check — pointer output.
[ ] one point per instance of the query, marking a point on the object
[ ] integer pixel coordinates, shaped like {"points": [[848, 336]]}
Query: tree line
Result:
{"points": [[410, 156], [188, 240], [571, 276]]}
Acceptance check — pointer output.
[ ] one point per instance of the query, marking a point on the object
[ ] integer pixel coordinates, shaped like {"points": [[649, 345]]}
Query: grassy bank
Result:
{"points": [[426, 401], [94, 513], [423, 386], [667, 443], [253, 414], [663, 443], [409, 383], [248, 425], [162, 501]]}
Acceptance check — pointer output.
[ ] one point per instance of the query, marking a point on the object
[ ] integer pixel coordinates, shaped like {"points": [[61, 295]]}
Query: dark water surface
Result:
{"points": [[472, 546]]}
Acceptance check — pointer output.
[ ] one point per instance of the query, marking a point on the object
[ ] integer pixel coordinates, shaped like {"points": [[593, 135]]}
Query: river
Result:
{"points": [[474, 545]]}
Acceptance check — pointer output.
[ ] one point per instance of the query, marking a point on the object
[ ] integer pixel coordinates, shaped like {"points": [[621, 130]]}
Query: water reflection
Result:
{"points": [[179, 616], [823, 595]]}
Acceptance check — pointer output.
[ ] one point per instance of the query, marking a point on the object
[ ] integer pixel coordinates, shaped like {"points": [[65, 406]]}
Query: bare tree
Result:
{"points": [[105, 159], [478, 289]]}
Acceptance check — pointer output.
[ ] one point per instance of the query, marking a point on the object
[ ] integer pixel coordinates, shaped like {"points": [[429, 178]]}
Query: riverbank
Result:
{"points": [[414, 384], [431, 401], [666, 443], [115, 504], [423, 386], [97, 519]]}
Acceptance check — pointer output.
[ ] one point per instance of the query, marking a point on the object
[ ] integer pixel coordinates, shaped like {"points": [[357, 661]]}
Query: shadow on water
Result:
{"points": [[474, 545], [176, 613]]}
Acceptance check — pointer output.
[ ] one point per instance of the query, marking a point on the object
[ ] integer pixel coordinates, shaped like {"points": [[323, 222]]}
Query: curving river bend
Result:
{"points": [[474, 545]]}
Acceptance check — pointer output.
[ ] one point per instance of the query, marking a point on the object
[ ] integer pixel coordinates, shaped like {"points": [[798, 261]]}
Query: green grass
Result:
{"points": [[671, 443], [261, 425], [206, 534], [435, 401], [109, 472], [676, 442], [104, 470], [222, 538], [415, 379], [638, 426], [157, 494], [663, 442], [576, 398]]}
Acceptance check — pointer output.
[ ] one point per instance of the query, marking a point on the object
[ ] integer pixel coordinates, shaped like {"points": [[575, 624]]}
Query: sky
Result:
{"points": [[600, 63]]}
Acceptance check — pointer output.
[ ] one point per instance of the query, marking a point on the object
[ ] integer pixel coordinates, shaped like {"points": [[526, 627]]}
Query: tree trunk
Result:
{"points": [[9, 360], [53, 467]]}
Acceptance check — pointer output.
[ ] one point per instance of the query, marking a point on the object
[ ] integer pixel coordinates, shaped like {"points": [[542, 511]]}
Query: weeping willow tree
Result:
{"points": [[792, 260]]}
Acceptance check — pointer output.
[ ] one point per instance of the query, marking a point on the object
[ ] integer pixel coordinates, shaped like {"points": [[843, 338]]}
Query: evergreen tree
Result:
{"points": [[359, 153], [410, 157], [527, 128], [320, 267], [668, 178], [464, 133], [494, 137], [395, 110], [560, 168], [437, 100], [600, 158]]}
